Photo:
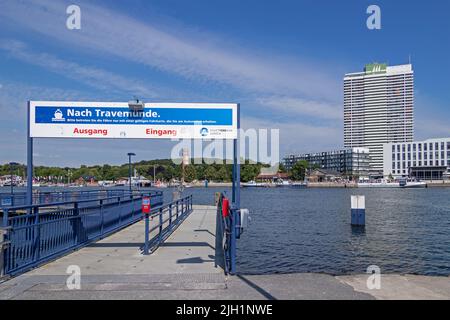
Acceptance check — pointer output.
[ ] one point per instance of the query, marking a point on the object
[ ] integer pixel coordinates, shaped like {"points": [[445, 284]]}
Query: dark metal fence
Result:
{"points": [[41, 232], [167, 218]]}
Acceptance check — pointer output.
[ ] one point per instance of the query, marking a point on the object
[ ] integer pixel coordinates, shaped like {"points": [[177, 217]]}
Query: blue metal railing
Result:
{"points": [[38, 233], [44, 197], [168, 217]]}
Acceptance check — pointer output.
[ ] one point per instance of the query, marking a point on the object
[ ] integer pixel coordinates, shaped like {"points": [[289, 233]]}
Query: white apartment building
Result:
{"points": [[348, 162], [425, 160], [378, 109]]}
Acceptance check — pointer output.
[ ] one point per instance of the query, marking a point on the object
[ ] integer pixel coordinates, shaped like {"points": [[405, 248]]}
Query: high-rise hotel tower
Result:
{"points": [[378, 108]]}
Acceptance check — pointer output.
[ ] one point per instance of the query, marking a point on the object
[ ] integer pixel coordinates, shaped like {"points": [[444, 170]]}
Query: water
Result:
{"points": [[308, 230]]}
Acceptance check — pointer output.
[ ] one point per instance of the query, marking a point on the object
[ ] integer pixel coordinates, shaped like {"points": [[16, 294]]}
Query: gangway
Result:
{"points": [[35, 234]]}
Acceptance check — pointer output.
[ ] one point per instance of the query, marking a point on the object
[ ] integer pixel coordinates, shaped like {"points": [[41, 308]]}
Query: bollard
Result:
{"points": [[358, 210], [147, 231]]}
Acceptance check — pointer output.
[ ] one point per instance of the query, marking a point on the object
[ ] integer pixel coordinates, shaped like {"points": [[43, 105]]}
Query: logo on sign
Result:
{"points": [[204, 132], [58, 115]]}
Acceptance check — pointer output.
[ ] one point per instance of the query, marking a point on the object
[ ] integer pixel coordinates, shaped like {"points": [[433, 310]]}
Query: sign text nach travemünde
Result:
{"points": [[59, 119]]}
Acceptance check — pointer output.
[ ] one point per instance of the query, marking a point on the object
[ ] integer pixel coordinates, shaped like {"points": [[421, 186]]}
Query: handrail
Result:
{"points": [[150, 245], [45, 192], [44, 197], [36, 237], [131, 196], [32, 206]]}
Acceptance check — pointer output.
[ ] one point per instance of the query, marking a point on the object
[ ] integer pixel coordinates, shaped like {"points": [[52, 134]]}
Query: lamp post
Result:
{"points": [[130, 154], [11, 164]]}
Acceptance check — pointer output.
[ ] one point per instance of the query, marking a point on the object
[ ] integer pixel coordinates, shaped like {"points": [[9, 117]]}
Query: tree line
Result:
{"points": [[164, 169]]}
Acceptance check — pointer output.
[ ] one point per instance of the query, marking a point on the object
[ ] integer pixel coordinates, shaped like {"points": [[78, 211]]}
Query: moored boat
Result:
{"points": [[404, 183], [299, 184], [253, 184], [401, 183]]}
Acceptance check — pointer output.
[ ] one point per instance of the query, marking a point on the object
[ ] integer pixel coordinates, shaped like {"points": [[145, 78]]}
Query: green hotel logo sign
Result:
{"points": [[376, 68]]}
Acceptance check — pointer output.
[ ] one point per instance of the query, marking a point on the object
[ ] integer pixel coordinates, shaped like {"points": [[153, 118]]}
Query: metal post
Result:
{"points": [[37, 234], [160, 225], [5, 217], [120, 210], [170, 216], [236, 192], [233, 237], [11, 177], [102, 216], [129, 170], [3, 244], [2, 251], [76, 223], [236, 196], [147, 228], [29, 200]]}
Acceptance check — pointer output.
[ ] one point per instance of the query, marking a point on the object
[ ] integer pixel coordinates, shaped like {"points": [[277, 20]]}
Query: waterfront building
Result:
{"points": [[322, 175], [425, 160], [378, 109], [349, 162]]}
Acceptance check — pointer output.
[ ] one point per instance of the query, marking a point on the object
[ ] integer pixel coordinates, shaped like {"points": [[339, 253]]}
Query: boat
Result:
{"points": [[253, 184], [283, 183], [381, 183], [401, 183], [405, 183], [299, 184]]}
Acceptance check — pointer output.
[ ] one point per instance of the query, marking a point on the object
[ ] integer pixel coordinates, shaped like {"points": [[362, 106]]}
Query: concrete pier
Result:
{"points": [[183, 268]]}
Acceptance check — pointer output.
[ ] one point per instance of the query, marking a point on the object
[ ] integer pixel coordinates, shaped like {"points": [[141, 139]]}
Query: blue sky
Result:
{"points": [[282, 60]]}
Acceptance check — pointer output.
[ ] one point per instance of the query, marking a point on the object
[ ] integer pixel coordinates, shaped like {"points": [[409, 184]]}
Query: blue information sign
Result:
{"points": [[116, 120]]}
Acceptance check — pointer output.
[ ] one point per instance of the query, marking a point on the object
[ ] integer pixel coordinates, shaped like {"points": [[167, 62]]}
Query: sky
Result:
{"points": [[283, 61]]}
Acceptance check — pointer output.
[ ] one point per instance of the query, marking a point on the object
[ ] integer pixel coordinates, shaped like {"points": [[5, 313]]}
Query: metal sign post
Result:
{"points": [[236, 196], [29, 199]]}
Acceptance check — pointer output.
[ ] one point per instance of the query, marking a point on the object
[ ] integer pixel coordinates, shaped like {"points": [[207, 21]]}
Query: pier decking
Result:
{"points": [[183, 268]]}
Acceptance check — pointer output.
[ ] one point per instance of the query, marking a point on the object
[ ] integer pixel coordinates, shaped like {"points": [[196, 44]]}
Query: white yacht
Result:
{"points": [[253, 184], [383, 183]]}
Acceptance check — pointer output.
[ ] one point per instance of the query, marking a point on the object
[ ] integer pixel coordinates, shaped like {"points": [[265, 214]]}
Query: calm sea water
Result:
{"points": [[308, 230]]}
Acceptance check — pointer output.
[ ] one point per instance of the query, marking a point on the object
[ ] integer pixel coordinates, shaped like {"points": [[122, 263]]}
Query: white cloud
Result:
{"points": [[298, 137], [312, 108], [95, 77], [110, 33], [293, 85]]}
